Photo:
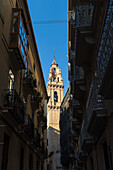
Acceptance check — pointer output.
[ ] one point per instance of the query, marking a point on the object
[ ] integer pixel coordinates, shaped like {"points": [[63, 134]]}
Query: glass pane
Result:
{"points": [[21, 23], [23, 30], [23, 38], [19, 41], [24, 57], [25, 48], [15, 25], [13, 37], [15, 13], [20, 31]]}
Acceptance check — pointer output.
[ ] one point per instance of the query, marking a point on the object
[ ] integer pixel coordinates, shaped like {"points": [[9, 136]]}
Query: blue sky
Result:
{"points": [[51, 36]]}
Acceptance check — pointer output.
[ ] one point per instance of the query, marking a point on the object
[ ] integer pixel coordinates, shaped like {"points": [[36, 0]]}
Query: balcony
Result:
{"points": [[37, 139], [73, 3], [76, 126], [84, 38], [35, 99], [13, 109], [18, 39], [86, 42], [79, 164], [105, 55], [74, 136], [65, 159], [83, 156], [78, 111], [43, 153], [44, 120], [80, 85], [29, 83], [96, 111], [29, 127], [87, 144]]}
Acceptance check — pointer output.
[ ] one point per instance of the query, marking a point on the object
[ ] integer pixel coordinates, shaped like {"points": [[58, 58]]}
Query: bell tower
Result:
{"points": [[55, 92]]}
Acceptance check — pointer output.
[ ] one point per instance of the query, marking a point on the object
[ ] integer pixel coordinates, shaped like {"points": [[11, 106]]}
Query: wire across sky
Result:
{"points": [[50, 22]]}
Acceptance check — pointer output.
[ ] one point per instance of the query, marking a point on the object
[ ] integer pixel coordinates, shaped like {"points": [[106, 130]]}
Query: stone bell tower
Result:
{"points": [[55, 92]]}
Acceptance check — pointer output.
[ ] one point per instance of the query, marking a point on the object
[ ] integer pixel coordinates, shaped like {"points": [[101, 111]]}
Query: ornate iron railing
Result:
{"points": [[79, 73], [106, 41], [83, 17], [94, 101], [29, 126], [13, 103], [37, 138], [91, 101]]}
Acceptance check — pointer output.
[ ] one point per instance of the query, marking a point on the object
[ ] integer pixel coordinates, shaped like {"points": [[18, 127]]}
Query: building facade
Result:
{"points": [[55, 92], [23, 95], [90, 44], [67, 153]]}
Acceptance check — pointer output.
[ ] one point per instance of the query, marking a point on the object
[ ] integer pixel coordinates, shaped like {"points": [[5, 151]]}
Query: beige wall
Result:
{"points": [[10, 128]]}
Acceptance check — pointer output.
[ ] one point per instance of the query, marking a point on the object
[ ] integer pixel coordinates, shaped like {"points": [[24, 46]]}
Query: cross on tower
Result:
{"points": [[54, 54]]}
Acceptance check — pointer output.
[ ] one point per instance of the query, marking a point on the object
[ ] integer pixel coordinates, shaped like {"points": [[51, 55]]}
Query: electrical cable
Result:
{"points": [[50, 22]]}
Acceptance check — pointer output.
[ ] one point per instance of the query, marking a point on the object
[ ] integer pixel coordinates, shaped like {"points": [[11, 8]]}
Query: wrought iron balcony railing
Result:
{"points": [[29, 126], [79, 73], [44, 120], [96, 111], [86, 141], [29, 82], [83, 17], [106, 41], [37, 138], [36, 99], [74, 135], [14, 105], [76, 126], [79, 83], [77, 110]]}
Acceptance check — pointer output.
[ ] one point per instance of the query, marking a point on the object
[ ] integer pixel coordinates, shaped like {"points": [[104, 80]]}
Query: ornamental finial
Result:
{"points": [[54, 54]]}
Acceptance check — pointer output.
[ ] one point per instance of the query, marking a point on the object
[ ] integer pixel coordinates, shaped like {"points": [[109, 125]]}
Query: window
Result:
{"points": [[11, 80], [19, 32], [50, 165], [58, 79], [21, 159], [54, 79], [33, 116], [22, 39], [37, 165], [110, 156], [30, 162], [42, 167], [34, 67], [54, 70], [26, 65], [15, 23], [106, 155], [92, 164], [17, 4], [55, 97], [5, 152], [85, 167]]}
